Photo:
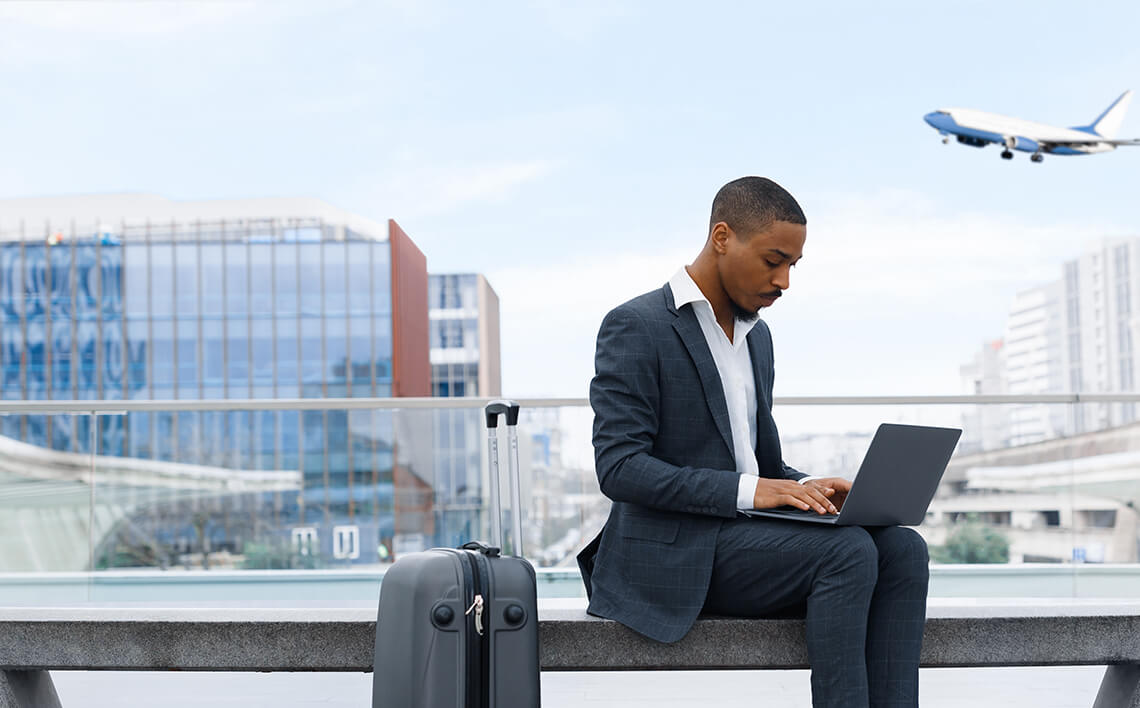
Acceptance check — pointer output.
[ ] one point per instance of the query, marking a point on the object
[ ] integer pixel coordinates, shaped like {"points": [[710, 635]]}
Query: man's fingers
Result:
{"points": [[820, 500]]}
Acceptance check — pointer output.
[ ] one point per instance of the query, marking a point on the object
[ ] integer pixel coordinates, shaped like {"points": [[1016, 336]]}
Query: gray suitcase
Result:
{"points": [[458, 628]]}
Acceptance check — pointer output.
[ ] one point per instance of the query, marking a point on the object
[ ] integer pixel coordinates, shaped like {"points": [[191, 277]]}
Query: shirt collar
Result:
{"points": [[685, 291]]}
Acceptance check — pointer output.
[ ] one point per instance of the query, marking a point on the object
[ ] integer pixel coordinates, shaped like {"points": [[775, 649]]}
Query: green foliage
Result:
{"points": [[972, 542], [277, 556]]}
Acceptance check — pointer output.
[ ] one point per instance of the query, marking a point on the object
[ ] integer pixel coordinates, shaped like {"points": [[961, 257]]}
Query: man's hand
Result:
{"points": [[838, 487], [771, 493]]}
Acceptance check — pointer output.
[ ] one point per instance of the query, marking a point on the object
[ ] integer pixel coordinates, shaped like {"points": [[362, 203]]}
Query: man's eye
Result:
{"points": [[771, 264]]}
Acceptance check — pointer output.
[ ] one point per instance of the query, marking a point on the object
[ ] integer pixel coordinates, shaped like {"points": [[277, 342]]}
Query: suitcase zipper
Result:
{"points": [[478, 659]]}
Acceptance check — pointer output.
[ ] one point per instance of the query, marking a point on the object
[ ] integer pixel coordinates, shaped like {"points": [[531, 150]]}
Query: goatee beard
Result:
{"points": [[742, 313]]}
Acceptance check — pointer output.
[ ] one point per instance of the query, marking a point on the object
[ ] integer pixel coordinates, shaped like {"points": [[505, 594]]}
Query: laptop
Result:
{"points": [[898, 478]]}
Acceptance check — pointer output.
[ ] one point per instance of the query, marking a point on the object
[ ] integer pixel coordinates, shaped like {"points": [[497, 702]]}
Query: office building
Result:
{"points": [[141, 298]]}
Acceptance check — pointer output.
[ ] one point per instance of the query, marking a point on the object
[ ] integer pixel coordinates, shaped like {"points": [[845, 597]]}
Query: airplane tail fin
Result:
{"points": [[1107, 124]]}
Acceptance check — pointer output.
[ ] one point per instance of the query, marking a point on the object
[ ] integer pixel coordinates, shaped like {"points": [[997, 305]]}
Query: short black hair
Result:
{"points": [[751, 204]]}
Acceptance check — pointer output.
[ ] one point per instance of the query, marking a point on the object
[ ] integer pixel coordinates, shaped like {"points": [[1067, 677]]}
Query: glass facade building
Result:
{"points": [[263, 308], [464, 335]]}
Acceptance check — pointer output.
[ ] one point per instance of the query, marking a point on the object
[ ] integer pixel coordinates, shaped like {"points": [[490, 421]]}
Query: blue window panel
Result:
{"points": [[11, 354], [136, 296], [263, 353], [161, 280], [312, 367], [163, 359], [187, 365], [359, 278], [164, 435], [335, 284], [35, 282], [285, 280], [63, 435], [287, 369], [237, 355], [86, 346], [261, 279], [112, 435], [237, 280], [336, 349], [309, 285], [111, 281], [213, 278], [186, 280], [213, 354], [114, 360], [138, 432], [11, 291], [189, 438], [137, 347], [61, 280], [238, 439], [382, 279], [360, 351], [61, 352]]}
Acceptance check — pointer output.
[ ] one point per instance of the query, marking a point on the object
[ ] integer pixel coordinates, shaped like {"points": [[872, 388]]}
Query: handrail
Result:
{"points": [[113, 407]]}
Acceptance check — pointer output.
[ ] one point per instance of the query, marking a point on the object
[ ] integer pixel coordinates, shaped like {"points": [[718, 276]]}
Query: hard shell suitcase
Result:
{"points": [[458, 628]]}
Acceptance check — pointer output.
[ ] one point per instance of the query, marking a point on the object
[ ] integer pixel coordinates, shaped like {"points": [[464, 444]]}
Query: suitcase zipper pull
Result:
{"points": [[477, 606]]}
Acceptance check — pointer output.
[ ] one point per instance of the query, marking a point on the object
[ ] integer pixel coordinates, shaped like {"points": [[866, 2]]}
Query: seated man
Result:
{"points": [[684, 437]]}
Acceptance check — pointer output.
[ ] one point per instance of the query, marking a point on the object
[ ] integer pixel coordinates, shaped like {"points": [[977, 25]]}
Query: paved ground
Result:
{"points": [[1055, 687]]}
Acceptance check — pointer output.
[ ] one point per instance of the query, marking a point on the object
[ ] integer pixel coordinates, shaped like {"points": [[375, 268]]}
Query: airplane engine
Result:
{"points": [[1022, 144]]}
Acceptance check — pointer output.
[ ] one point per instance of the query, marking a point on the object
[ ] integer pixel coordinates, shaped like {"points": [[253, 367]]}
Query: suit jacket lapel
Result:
{"points": [[757, 352], [694, 339]]}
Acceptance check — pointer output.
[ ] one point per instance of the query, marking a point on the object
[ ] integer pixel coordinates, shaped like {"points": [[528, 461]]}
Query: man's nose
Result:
{"points": [[781, 277]]}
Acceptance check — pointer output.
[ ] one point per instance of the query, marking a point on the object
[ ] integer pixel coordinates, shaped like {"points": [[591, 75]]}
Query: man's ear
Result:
{"points": [[719, 235]]}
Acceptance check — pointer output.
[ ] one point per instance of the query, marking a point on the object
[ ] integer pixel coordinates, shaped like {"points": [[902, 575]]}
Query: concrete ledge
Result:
{"points": [[120, 639]]}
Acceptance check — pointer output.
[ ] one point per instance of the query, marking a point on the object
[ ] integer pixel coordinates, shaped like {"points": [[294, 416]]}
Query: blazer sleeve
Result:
{"points": [[626, 397]]}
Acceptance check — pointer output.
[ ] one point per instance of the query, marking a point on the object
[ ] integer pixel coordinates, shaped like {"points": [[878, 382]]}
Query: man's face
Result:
{"points": [[755, 269]]}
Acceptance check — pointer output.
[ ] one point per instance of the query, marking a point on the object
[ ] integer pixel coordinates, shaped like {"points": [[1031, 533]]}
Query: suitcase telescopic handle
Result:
{"points": [[493, 410]]}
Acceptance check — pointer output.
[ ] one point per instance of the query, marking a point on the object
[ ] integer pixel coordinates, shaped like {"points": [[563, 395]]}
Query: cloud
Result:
{"points": [[893, 295], [439, 188]]}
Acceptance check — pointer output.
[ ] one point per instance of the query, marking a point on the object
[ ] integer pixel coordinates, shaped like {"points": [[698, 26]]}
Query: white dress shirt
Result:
{"points": [[734, 364]]}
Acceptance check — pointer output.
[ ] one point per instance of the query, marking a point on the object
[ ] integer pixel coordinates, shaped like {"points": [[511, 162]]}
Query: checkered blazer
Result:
{"points": [[664, 456]]}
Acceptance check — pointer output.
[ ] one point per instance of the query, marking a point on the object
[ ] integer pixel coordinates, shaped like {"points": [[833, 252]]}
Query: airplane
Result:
{"points": [[978, 129]]}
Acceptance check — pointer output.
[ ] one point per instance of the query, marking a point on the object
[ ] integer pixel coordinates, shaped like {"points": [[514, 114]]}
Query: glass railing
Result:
{"points": [[307, 501]]}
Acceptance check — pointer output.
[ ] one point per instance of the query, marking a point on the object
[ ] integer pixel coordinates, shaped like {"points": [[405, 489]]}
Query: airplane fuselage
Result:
{"points": [[980, 128]]}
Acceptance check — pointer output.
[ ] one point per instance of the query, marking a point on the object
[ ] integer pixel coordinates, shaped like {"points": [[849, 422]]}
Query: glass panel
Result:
{"points": [[261, 279], [237, 281], [309, 255], [285, 280], [213, 281], [359, 278], [137, 286], [186, 280], [335, 279]]}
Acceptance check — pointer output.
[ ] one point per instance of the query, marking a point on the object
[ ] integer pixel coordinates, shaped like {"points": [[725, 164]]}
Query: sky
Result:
{"points": [[570, 151]]}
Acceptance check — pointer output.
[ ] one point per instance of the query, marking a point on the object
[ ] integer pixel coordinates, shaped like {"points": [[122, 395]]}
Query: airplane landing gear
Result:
{"points": [[1006, 155], [1037, 157], [945, 139]]}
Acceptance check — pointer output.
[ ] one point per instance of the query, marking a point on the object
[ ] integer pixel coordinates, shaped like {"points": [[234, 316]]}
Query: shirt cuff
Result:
{"points": [[808, 478], [746, 491]]}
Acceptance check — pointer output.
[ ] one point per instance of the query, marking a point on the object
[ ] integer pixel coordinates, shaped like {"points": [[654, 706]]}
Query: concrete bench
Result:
{"points": [[35, 641]]}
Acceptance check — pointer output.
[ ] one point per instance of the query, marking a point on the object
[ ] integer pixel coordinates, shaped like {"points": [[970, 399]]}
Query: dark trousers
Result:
{"points": [[863, 592]]}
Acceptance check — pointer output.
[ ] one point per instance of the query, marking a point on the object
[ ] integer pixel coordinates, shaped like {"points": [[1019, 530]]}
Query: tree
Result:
{"points": [[972, 542]]}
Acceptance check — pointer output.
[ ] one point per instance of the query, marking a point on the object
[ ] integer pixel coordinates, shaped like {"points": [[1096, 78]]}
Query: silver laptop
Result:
{"points": [[898, 478]]}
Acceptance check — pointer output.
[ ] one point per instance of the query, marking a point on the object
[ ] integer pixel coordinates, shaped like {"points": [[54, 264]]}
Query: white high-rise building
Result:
{"points": [[1033, 363], [1074, 334]]}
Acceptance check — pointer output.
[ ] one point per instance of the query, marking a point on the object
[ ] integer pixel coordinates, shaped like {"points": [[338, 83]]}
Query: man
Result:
{"points": [[684, 437]]}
